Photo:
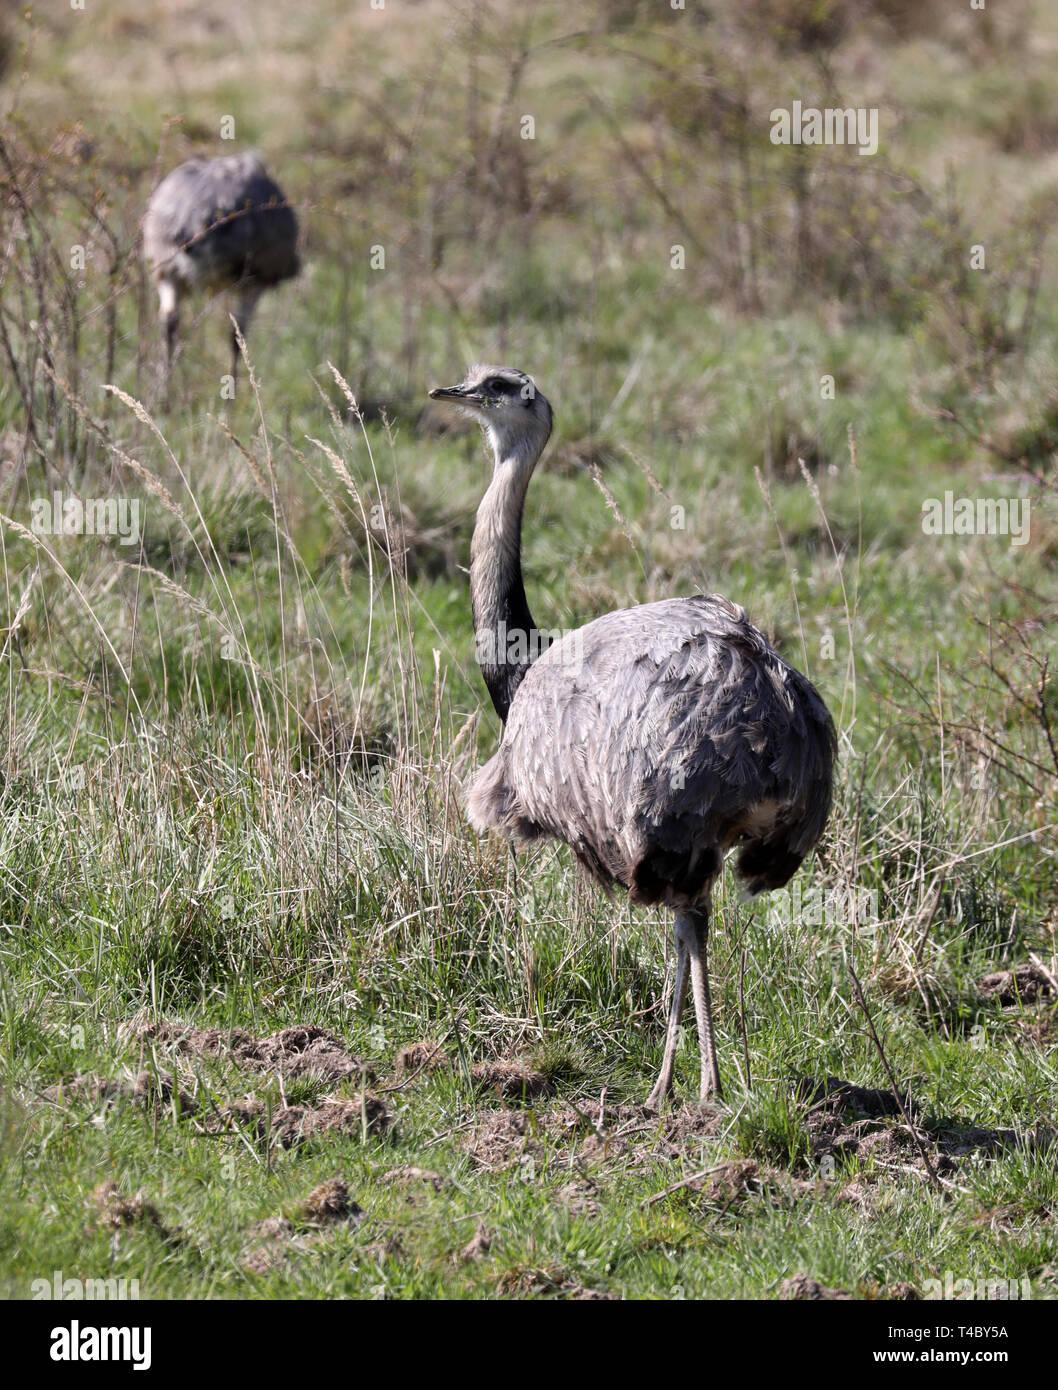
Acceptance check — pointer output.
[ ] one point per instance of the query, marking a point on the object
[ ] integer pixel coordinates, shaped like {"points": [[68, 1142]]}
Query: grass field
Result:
{"points": [[274, 1021]]}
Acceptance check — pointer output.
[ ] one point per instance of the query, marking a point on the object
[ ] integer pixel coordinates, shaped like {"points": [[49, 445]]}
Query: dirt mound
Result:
{"points": [[800, 1286], [500, 1139], [409, 1176], [116, 1212], [512, 1080], [640, 1134], [329, 1202], [476, 1248], [269, 1243], [293, 1052], [387, 1248], [152, 1090], [833, 1132], [843, 1097], [733, 1180], [958, 1143], [891, 1144], [631, 1133], [552, 1280], [858, 1193], [289, 1125], [350, 1116], [1025, 984], [296, 1123], [420, 1056], [579, 1199], [979, 1139]]}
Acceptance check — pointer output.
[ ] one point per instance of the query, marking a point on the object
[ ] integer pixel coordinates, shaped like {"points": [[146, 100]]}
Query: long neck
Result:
{"points": [[504, 631]]}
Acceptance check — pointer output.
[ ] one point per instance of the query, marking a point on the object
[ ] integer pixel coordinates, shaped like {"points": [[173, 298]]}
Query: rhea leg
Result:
{"points": [[169, 314], [663, 1086], [692, 937], [243, 314], [696, 925]]}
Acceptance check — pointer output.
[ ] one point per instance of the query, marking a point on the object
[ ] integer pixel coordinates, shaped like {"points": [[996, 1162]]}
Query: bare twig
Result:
{"points": [[684, 1182], [923, 1152]]}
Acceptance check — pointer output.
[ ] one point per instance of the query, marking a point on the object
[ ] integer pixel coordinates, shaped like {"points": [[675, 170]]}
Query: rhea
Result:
{"points": [[218, 224], [651, 741]]}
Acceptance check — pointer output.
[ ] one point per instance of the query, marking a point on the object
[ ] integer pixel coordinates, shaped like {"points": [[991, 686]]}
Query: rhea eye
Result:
{"points": [[497, 385]]}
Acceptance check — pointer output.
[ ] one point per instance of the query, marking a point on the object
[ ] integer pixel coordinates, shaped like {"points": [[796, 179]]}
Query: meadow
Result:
{"points": [[274, 1022]]}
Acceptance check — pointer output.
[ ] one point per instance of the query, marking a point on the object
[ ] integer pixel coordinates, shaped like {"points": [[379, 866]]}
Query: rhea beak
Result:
{"points": [[458, 395]]}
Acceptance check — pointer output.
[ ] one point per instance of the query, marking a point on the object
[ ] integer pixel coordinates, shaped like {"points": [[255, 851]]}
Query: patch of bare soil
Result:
{"points": [[425, 1056], [410, 1176], [292, 1052], [500, 1139], [978, 1139], [553, 1281], [511, 1080], [152, 1090], [476, 1248], [116, 1212], [631, 1133], [857, 1193], [295, 1123], [833, 1131], [388, 1248], [1025, 984], [329, 1202], [269, 1243], [289, 1125], [877, 1135], [739, 1178], [579, 1199], [800, 1286]]}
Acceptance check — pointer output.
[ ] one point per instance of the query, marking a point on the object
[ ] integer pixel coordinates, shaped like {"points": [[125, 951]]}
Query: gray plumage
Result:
{"points": [[652, 740], [218, 224]]}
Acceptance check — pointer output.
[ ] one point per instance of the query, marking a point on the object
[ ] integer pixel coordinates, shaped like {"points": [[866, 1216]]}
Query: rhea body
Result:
{"points": [[218, 224], [651, 741]]}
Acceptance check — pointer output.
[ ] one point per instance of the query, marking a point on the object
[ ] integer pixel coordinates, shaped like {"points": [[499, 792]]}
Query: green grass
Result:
{"points": [[233, 759]]}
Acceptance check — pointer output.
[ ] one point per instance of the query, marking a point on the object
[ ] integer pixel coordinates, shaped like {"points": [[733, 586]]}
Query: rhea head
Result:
{"points": [[515, 416]]}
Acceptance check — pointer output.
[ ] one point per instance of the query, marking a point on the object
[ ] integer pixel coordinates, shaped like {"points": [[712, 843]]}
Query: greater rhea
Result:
{"points": [[218, 224], [651, 741]]}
